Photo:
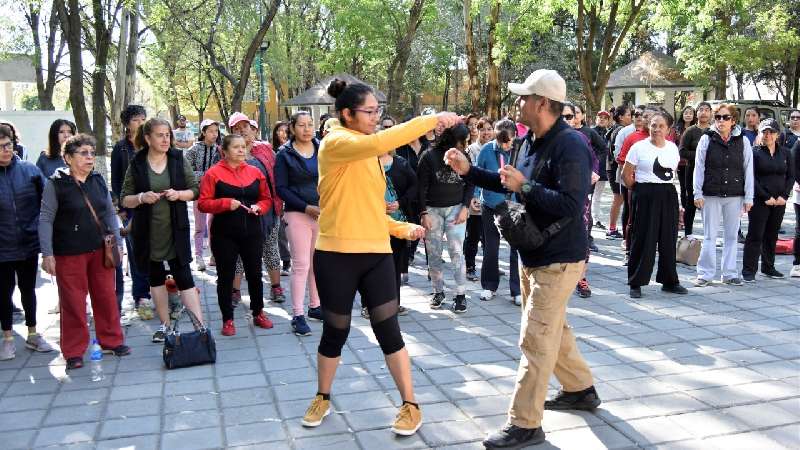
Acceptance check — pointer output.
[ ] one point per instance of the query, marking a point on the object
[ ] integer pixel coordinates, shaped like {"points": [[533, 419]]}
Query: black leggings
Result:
{"points": [[339, 276], [400, 257], [25, 272], [226, 250], [686, 177], [473, 236], [181, 273]]}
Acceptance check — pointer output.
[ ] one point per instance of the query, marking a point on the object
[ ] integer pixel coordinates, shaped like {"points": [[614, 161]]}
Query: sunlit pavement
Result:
{"points": [[718, 368]]}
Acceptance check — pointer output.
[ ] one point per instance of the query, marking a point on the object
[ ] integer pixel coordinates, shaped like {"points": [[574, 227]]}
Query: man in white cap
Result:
{"points": [[552, 178]]}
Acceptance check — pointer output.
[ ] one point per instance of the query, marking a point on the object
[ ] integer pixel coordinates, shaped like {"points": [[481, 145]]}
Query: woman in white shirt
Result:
{"points": [[649, 172]]}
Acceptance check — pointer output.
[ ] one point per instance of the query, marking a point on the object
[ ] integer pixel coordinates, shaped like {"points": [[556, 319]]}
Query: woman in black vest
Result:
{"points": [[158, 184], [723, 187], [774, 178], [71, 238]]}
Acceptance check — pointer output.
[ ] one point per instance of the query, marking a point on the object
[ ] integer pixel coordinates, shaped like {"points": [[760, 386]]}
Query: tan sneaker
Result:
{"points": [[318, 410], [408, 420]]}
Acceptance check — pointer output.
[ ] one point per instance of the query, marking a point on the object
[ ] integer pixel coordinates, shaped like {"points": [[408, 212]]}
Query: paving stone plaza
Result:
{"points": [[716, 369]]}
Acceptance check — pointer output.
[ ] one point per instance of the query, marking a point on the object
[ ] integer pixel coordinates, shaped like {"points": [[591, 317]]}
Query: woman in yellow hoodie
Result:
{"points": [[353, 252]]}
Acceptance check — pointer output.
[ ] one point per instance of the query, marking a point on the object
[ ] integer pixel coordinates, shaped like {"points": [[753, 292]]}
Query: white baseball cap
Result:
{"points": [[544, 83]]}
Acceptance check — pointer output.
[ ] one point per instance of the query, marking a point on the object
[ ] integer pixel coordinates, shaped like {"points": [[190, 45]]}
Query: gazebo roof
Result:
{"points": [[318, 93], [650, 70], [17, 68]]}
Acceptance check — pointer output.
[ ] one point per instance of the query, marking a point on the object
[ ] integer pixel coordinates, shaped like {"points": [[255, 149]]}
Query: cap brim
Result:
{"points": [[518, 89]]}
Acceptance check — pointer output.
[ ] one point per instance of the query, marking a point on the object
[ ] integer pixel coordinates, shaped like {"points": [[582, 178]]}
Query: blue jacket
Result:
{"points": [[21, 186], [296, 184], [559, 191], [489, 159]]}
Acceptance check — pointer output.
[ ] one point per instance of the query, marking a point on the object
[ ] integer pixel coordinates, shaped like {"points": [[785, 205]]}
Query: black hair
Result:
{"points": [[275, 129], [130, 112], [203, 133], [6, 132], [620, 111], [701, 104], [505, 131], [72, 144], [388, 117], [453, 136], [14, 134], [226, 141], [53, 147], [348, 95]]}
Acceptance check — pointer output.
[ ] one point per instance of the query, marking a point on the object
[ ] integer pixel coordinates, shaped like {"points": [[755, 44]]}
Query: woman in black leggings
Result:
{"points": [[236, 193], [353, 252]]}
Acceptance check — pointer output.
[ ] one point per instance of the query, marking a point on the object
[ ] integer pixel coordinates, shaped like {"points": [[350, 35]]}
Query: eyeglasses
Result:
{"points": [[795, 117], [86, 153], [725, 117], [371, 112], [7, 147], [568, 116]]}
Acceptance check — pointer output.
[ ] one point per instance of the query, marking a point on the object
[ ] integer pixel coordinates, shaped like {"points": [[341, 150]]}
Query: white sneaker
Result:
{"points": [[517, 300], [124, 320], [487, 295], [795, 273], [201, 265], [7, 349]]}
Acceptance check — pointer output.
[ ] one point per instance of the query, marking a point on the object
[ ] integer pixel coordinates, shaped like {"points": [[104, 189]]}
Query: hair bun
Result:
{"points": [[336, 87]]}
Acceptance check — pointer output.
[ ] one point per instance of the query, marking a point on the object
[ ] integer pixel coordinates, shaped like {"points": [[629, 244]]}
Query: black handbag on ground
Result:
{"points": [[189, 349], [513, 221]]}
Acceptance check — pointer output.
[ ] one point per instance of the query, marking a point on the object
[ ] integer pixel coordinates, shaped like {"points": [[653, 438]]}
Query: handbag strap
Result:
{"points": [[91, 208], [192, 317]]}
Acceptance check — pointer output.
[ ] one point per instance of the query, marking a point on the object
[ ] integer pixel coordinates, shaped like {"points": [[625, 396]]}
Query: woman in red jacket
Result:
{"points": [[237, 194]]}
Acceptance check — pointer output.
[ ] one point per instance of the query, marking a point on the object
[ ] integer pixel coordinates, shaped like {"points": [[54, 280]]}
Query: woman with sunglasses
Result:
{"points": [[792, 134], [774, 177], [76, 214], [723, 188]]}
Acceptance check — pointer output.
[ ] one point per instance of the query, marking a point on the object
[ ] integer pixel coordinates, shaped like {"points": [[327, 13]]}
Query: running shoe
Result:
{"points": [[276, 295], [437, 300], [460, 304], [613, 234], [315, 313], [37, 343], [160, 334], [408, 420], [228, 328], [262, 321], [300, 327], [583, 289], [316, 412]]}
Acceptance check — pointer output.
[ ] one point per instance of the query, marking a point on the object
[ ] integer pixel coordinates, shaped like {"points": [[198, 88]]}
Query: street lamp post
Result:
{"points": [[262, 92]]}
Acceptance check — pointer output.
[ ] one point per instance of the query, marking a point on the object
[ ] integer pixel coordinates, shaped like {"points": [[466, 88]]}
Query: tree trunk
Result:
{"points": [[397, 68], [446, 95], [472, 58], [69, 16], [133, 51], [587, 28], [740, 86], [102, 44], [122, 68], [493, 73]]}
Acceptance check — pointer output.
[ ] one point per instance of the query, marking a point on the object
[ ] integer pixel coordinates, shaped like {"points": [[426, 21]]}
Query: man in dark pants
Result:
{"points": [[556, 193]]}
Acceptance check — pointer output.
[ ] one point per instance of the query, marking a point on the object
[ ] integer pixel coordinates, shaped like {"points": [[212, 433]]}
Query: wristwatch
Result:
{"points": [[526, 187]]}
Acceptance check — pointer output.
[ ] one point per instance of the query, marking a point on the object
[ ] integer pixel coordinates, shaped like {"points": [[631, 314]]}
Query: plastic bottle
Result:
{"points": [[96, 357]]}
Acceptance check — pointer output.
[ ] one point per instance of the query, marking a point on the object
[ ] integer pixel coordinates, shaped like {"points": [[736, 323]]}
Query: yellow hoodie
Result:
{"points": [[352, 185]]}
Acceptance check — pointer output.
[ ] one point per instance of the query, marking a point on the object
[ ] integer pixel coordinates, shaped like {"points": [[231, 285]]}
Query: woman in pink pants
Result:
{"points": [[296, 178]]}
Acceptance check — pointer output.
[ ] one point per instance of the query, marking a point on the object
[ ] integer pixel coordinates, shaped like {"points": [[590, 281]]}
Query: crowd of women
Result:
{"points": [[341, 209]]}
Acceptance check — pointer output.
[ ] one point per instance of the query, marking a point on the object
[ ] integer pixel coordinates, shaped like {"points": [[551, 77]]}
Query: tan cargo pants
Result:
{"points": [[547, 343]]}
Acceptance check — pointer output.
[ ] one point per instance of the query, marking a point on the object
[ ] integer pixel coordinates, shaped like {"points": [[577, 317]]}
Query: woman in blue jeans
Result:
{"points": [[444, 198], [492, 155]]}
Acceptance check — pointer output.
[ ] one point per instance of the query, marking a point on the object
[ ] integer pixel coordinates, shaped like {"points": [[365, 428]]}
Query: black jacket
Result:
{"points": [[74, 229], [295, 183], [600, 149], [404, 181], [179, 214], [121, 156], [773, 174], [559, 191], [21, 186], [411, 156], [438, 185]]}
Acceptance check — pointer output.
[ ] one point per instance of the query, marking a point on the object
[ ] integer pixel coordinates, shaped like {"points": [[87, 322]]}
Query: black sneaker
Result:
{"points": [[586, 400], [74, 363], [599, 225], [636, 292], [315, 313], [741, 239], [160, 334], [675, 289], [512, 436], [772, 273], [749, 277], [733, 281], [460, 304], [437, 300], [613, 234], [471, 275]]}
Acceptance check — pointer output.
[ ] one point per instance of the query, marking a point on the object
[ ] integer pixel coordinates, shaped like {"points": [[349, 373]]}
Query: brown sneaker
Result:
{"points": [[408, 420], [316, 412]]}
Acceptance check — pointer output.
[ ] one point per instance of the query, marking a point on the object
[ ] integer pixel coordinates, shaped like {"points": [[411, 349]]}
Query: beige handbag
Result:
{"points": [[688, 250]]}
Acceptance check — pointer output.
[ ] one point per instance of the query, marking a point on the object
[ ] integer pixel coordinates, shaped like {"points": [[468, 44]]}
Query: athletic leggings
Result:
{"points": [[227, 248], [25, 271], [339, 276]]}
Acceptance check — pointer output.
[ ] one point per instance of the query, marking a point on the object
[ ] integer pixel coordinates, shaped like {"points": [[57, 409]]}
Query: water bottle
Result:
{"points": [[96, 357]]}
